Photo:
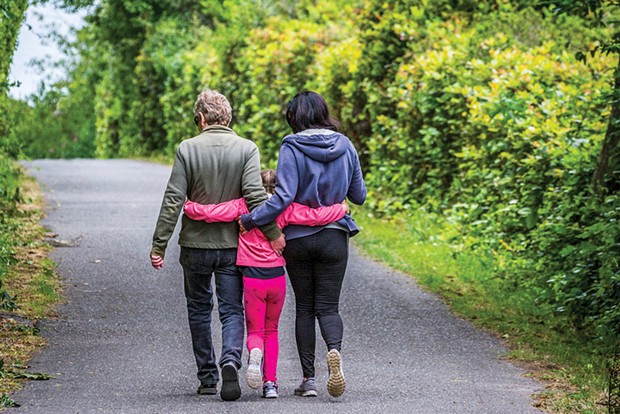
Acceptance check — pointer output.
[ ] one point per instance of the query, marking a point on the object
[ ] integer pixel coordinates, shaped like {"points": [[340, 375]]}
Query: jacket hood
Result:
{"points": [[321, 145]]}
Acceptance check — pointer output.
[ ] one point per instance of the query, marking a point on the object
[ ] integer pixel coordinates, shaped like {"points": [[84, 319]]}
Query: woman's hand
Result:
{"points": [[242, 229], [345, 206]]}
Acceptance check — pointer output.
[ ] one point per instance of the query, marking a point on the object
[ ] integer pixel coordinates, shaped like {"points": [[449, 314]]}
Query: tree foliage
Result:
{"points": [[11, 16], [481, 111]]}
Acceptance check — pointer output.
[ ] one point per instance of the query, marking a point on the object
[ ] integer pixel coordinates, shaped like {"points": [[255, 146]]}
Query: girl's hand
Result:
{"points": [[345, 206]]}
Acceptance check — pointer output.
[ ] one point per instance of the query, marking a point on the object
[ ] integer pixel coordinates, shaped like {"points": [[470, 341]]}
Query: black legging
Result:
{"points": [[316, 266]]}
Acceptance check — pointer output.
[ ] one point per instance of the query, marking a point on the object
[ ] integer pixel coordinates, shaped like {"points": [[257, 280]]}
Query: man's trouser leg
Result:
{"points": [[198, 267]]}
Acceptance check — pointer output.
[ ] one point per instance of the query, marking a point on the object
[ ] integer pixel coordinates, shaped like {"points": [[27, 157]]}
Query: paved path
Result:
{"points": [[121, 343]]}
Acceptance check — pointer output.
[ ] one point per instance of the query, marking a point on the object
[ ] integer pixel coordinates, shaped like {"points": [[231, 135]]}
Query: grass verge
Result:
{"points": [[32, 283], [429, 249]]}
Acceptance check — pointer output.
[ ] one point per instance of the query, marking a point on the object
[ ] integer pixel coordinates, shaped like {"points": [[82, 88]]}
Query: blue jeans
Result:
{"points": [[198, 267]]}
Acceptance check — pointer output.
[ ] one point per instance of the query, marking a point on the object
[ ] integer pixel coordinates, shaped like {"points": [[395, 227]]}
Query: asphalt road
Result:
{"points": [[121, 342]]}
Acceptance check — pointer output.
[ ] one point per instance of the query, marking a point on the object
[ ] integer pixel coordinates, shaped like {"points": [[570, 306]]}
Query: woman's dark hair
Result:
{"points": [[309, 110]]}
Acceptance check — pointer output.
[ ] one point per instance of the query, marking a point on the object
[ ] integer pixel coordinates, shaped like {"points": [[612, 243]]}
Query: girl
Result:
{"points": [[263, 276]]}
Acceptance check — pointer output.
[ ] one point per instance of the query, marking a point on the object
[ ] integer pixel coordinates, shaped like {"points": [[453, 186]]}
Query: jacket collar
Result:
{"points": [[217, 128]]}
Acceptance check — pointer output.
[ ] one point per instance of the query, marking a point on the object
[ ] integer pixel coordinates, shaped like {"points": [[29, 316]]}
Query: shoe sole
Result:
{"points": [[311, 393], [230, 384], [335, 382], [270, 396], [207, 391], [253, 376]]}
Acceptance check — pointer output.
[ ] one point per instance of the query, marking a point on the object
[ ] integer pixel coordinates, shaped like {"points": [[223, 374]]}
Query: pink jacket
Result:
{"points": [[254, 248]]}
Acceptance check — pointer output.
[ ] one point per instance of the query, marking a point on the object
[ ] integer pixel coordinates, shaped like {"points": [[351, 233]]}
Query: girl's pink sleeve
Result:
{"points": [[306, 216], [215, 213]]}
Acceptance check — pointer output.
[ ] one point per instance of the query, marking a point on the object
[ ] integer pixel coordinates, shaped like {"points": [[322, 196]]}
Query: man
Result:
{"points": [[213, 167]]}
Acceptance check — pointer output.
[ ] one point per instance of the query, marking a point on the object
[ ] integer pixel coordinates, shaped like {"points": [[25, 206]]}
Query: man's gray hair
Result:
{"points": [[214, 106]]}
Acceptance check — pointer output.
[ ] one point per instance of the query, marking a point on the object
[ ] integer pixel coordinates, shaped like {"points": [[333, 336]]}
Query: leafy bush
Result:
{"points": [[274, 66], [503, 139], [53, 126], [477, 111], [11, 16]]}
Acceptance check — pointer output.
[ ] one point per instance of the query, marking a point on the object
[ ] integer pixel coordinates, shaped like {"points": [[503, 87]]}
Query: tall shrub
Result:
{"points": [[11, 17]]}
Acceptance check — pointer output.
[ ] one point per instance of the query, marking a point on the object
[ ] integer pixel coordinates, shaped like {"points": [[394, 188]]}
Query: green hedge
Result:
{"points": [[11, 17], [476, 111]]}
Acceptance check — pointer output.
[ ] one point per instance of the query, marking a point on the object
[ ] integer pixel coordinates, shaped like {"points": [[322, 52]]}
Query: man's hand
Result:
{"points": [[157, 262], [278, 244], [345, 206]]}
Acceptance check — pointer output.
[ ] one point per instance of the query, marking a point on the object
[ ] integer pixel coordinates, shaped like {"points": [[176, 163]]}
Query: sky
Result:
{"points": [[34, 43]]}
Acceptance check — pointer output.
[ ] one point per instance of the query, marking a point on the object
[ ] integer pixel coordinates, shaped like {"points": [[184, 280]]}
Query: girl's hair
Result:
{"points": [[269, 180], [309, 110]]}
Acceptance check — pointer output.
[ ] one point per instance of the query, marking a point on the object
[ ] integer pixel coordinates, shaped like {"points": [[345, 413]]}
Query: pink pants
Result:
{"points": [[264, 299]]}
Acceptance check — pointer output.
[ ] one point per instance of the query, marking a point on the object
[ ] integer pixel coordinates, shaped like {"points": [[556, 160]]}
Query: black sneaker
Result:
{"points": [[230, 383], [207, 389]]}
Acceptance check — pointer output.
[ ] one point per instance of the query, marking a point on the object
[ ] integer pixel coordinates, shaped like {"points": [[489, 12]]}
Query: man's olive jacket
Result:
{"points": [[213, 167]]}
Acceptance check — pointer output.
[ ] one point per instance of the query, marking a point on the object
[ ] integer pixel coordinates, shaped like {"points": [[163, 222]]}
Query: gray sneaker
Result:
{"points": [[307, 388]]}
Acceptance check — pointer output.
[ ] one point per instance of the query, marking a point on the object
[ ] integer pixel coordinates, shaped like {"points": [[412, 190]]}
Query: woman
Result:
{"points": [[317, 166]]}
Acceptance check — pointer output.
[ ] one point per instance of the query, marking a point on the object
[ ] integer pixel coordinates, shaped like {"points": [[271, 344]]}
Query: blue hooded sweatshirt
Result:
{"points": [[316, 167]]}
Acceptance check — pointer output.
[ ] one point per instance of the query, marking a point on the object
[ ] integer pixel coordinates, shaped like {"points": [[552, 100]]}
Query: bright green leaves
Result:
{"points": [[477, 112]]}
